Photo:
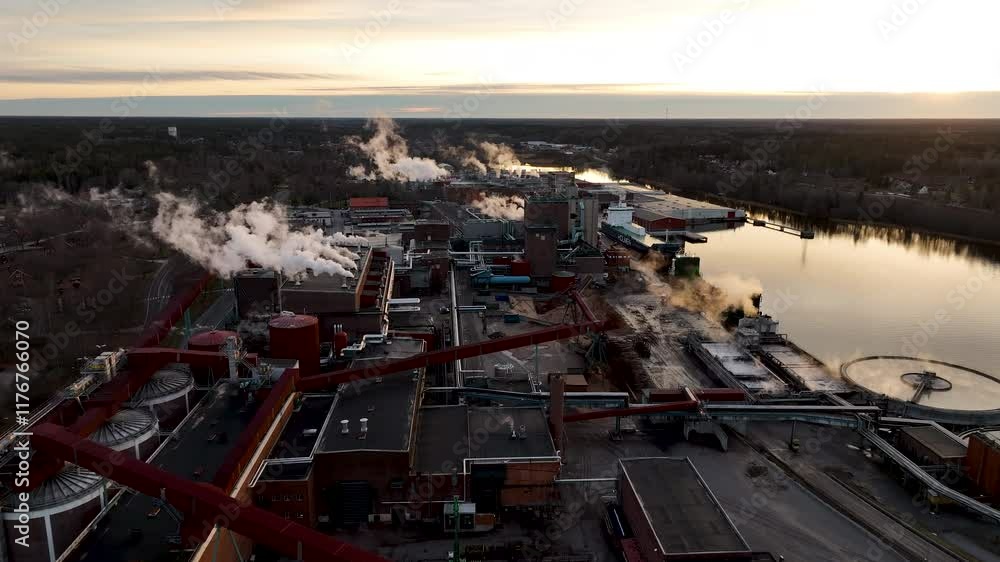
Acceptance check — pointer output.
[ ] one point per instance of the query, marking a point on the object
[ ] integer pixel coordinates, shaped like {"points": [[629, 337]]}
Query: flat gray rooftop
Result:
{"points": [[490, 434], [303, 427], [447, 435], [442, 437], [389, 403], [943, 445], [680, 508]]}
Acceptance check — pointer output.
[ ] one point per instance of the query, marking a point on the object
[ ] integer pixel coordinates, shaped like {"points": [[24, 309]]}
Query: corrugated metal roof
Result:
{"points": [[124, 426], [171, 379], [70, 484]]}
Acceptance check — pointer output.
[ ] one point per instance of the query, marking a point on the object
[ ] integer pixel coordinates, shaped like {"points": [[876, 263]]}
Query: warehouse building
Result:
{"points": [[673, 513]]}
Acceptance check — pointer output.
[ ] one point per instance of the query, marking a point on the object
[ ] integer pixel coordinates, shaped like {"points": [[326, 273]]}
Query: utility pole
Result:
{"points": [[455, 555]]}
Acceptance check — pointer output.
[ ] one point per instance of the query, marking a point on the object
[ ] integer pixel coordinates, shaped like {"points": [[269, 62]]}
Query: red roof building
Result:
{"points": [[369, 202]]}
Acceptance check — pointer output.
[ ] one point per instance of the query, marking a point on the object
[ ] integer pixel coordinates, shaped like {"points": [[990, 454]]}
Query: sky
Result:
{"points": [[502, 58]]}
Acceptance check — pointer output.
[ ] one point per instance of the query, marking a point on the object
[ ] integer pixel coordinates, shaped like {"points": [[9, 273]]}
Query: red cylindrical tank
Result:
{"points": [[296, 337], [562, 281], [340, 340], [211, 340], [502, 260], [520, 267]]}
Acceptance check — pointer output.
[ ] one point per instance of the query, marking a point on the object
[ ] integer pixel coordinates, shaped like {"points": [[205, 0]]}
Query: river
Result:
{"points": [[859, 290]]}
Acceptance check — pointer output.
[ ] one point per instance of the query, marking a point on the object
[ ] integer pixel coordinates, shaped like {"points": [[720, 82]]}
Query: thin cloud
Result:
{"points": [[86, 76]]}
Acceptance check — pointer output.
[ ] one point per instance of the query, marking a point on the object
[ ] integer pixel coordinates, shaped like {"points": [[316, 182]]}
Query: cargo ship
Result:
{"points": [[619, 227]]}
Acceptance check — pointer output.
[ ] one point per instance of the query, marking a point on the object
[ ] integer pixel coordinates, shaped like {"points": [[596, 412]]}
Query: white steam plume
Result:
{"points": [[389, 153], [256, 232], [499, 156], [510, 208], [464, 157], [5, 160]]}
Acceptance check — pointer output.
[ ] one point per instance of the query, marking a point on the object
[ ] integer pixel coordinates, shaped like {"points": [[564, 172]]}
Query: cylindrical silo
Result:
{"points": [[57, 512], [131, 431], [340, 341], [562, 281], [295, 336], [166, 394], [520, 267]]}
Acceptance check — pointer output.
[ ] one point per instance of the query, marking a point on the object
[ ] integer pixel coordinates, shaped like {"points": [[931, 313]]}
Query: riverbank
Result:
{"points": [[875, 209]]}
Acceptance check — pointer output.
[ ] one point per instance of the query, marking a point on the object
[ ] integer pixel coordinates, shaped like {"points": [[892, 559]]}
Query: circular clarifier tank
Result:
{"points": [[926, 383], [132, 431], [57, 511]]}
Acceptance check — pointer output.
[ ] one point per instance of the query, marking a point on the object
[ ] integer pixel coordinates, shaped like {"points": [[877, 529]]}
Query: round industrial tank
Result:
{"points": [[296, 336], [340, 341], [928, 389], [166, 394], [520, 267], [562, 281], [59, 510], [212, 340], [130, 431]]}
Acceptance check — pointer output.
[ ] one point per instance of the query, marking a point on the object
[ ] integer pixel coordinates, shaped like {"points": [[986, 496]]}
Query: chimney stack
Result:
{"points": [[364, 426], [345, 427]]}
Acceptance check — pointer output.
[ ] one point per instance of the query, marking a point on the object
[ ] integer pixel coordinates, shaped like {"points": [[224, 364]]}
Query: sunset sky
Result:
{"points": [[505, 58]]}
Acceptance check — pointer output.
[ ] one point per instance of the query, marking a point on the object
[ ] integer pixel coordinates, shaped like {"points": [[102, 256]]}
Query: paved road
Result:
{"points": [[160, 289]]}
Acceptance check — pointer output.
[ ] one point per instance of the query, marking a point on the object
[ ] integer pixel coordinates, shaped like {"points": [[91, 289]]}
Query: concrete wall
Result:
{"points": [[540, 249], [644, 535], [378, 468]]}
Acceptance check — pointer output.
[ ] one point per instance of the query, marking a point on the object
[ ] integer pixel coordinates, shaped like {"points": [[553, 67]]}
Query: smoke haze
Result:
{"points": [[388, 152], [510, 208], [256, 232]]}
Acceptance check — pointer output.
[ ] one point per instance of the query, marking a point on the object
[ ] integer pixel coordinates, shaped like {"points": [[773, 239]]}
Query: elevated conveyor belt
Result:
{"points": [[929, 481]]}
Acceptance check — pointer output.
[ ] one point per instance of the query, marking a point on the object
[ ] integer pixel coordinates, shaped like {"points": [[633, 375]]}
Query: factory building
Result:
{"points": [[358, 304], [673, 513], [371, 211], [930, 445], [541, 244], [983, 463], [550, 210], [256, 292]]}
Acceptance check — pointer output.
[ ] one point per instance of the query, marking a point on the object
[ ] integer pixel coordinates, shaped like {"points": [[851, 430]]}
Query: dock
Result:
{"points": [[806, 234]]}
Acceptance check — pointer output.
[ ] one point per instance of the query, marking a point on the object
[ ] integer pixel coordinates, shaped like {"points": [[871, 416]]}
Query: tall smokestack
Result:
{"points": [[557, 395]]}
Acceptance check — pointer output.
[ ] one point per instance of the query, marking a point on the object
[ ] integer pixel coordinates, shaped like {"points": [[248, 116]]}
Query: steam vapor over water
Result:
{"points": [[510, 208], [389, 153], [257, 232], [499, 156]]}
